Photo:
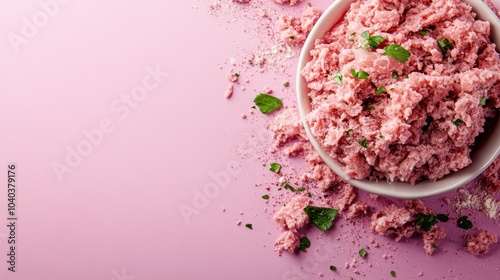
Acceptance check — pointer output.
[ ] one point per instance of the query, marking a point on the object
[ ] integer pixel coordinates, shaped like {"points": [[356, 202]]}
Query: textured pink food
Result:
{"points": [[400, 222], [480, 244], [288, 241], [292, 216], [424, 124], [295, 30]]}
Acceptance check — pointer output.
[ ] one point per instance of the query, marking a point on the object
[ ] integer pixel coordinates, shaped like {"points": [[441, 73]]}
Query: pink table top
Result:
{"points": [[114, 114]]}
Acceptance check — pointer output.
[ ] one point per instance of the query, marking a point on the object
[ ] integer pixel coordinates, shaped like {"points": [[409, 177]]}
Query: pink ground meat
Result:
{"points": [[481, 243], [295, 30], [288, 241], [291, 2], [424, 123], [400, 223], [292, 216]]}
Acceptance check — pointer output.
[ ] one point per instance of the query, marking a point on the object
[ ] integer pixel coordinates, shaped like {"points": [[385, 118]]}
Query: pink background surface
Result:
{"points": [[116, 215]]}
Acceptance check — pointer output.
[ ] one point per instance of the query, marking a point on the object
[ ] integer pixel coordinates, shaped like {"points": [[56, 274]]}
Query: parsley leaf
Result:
{"points": [[338, 78], [380, 90], [249, 226], [442, 217], [444, 44], [289, 187], [321, 217], [398, 52], [304, 243], [457, 121], [359, 75], [348, 132], [267, 103], [425, 222], [393, 273], [333, 268], [275, 167], [364, 143], [395, 76], [362, 253], [371, 41], [464, 223], [266, 196], [483, 101], [424, 32]]}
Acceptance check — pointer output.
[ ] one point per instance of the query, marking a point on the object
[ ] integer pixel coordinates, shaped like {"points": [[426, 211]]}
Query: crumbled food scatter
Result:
{"points": [[229, 92], [480, 244], [295, 30]]}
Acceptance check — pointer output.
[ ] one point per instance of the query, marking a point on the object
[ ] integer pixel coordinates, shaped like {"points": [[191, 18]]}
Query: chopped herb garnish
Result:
{"points": [[464, 223], [434, 245], [348, 132], [333, 268], [364, 143], [425, 222], [286, 84], [309, 195], [249, 226], [371, 41], [292, 37], [351, 40], [444, 45], [289, 187], [424, 32], [369, 108], [236, 74], [301, 189], [398, 52], [353, 33], [442, 217], [321, 217], [359, 75], [381, 136], [457, 121], [395, 75], [275, 167], [304, 243], [267, 103], [279, 189], [407, 76], [338, 78], [266, 196], [393, 273], [362, 253], [253, 107], [483, 101], [380, 90]]}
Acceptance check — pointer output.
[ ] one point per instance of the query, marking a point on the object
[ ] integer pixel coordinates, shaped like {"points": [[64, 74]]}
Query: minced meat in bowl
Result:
{"points": [[394, 94]]}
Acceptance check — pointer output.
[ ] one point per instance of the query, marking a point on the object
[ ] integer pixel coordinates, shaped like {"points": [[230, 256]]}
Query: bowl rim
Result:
{"points": [[489, 151]]}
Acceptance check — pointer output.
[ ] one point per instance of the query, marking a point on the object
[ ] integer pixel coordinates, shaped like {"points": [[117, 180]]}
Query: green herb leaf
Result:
{"points": [[395, 76], [309, 195], [359, 75], [292, 37], [249, 226], [338, 78], [464, 223], [348, 132], [424, 32], [425, 222], [393, 273], [407, 76], [380, 90], [483, 101], [457, 121], [275, 167], [286, 84], [321, 217], [398, 52], [304, 243], [365, 34], [442, 217], [266, 196], [362, 253], [371, 41], [444, 44], [289, 187], [434, 245], [364, 143], [333, 268], [301, 189], [236, 74], [267, 103]]}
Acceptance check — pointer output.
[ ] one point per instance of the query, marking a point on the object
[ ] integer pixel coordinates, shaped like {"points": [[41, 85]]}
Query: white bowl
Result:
{"points": [[483, 155]]}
